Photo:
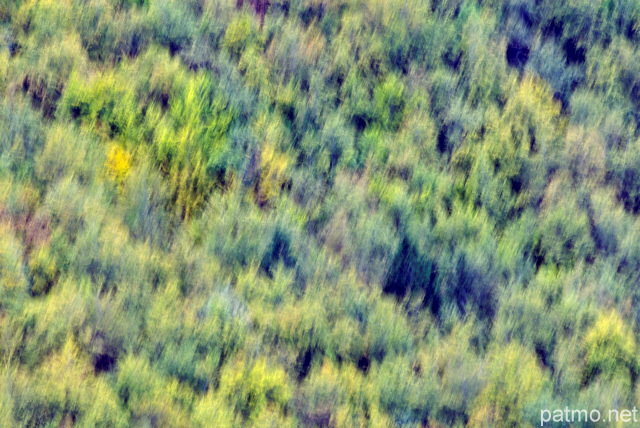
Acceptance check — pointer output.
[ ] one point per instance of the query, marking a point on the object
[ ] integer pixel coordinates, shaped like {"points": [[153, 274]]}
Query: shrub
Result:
{"points": [[610, 349], [249, 387]]}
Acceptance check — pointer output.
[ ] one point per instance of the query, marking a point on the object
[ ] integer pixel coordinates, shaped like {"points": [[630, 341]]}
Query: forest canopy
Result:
{"points": [[321, 213]]}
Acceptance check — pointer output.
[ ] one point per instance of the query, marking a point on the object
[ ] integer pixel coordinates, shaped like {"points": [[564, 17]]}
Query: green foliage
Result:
{"points": [[409, 272], [317, 213], [173, 25], [23, 138], [149, 396], [13, 280], [389, 102], [68, 152], [564, 242], [43, 272]]}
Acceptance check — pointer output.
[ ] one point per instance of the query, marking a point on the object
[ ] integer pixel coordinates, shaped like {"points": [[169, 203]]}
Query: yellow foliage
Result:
{"points": [[354, 397], [250, 387], [42, 11], [537, 91], [118, 163], [44, 271], [4, 69], [586, 152], [152, 396], [255, 68], [65, 382], [515, 378], [532, 106], [212, 411], [237, 34], [273, 166], [165, 72], [610, 348]]}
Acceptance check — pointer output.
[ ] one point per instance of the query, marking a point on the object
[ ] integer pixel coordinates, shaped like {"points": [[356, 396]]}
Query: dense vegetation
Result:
{"points": [[317, 212]]}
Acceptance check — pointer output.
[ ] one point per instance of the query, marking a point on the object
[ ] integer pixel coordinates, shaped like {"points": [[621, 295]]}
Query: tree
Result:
{"points": [[515, 381], [610, 349], [411, 272]]}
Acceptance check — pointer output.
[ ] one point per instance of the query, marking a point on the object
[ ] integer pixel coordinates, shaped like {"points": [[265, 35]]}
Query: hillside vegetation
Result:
{"points": [[336, 213]]}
